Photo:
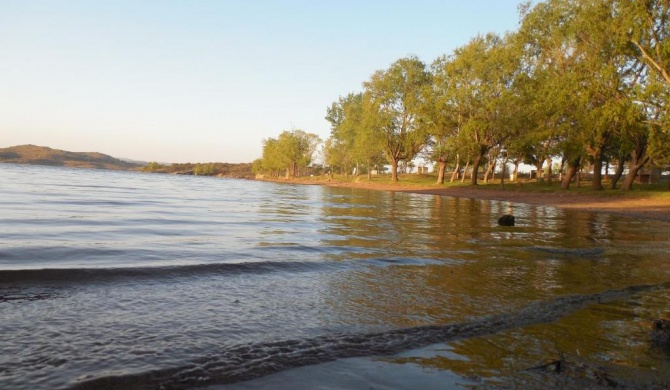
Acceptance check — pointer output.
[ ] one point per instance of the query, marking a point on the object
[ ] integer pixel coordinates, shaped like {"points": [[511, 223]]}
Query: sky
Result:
{"points": [[204, 81]]}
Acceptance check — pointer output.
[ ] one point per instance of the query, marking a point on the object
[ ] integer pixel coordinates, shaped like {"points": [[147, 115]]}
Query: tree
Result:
{"points": [[588, 75], [353, 133], [440, 117], [646, 24], [337, 155], [270, 160], [257, 166], [290, 151], [153, 166], [340, 145], [396, 97], [478, 89], [207, 169]]}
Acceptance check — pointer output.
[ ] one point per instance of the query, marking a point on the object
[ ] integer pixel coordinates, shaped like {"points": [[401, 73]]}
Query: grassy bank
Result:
{"points": [[428, 181]]}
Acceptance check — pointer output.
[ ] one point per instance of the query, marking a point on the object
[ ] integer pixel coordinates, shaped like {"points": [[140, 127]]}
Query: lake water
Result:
{"points": [[129, 280]]}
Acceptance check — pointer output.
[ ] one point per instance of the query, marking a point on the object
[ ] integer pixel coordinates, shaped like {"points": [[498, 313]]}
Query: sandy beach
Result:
{"points": [[635, 206]]}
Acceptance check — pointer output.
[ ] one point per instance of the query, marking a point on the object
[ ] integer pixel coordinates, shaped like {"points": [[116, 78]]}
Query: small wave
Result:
{"points": [[90, 275], [64, 276], [249, 361]]}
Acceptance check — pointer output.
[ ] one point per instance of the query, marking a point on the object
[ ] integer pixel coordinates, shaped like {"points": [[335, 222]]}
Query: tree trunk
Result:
{"points": [[440, 172], [639, 159], [475, 168], [491, 169], [516, 170], [597, 183], [369, 170], [572, 170], [465, 171], [502, 175], [394, 170], [578, 180], [454, 174], [538, 167], [633, 170], [549, 172], [617, 174]]}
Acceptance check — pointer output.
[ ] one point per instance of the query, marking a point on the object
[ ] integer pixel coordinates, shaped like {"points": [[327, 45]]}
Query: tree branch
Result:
{"points": [[651, 60]]}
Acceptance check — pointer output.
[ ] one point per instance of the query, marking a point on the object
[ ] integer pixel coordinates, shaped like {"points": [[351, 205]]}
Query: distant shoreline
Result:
{"points": [[632, 205]]}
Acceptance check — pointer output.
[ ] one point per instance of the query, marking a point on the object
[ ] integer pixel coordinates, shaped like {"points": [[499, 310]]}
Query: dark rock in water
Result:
{"points": [[660, 333], [506, 220]]}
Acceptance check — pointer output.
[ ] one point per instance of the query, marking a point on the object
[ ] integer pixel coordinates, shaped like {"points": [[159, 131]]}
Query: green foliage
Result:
{"points": [[204, 169], [474, 98], [354, 139], [257, 166], [583, 81], [396, 98], [243, 170], [152, 167], [290, 151], [588, 77]]}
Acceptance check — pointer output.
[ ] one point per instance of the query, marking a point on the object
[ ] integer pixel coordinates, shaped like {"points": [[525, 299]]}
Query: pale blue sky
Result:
{"points": [[198, 81]]}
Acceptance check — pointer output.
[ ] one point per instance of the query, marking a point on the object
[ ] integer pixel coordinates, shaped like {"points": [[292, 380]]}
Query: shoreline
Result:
{"points": [[642, 207]]}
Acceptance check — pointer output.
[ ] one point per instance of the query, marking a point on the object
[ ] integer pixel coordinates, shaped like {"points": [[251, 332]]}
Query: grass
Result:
{"points": [[657, 191]]}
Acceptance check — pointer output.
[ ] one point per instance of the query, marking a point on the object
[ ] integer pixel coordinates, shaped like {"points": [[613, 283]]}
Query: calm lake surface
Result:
{"points": [[129, 280]]}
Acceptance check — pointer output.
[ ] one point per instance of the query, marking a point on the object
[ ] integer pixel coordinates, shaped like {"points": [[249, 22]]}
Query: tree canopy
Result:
{"points": [[290, 151], [585, 82]]}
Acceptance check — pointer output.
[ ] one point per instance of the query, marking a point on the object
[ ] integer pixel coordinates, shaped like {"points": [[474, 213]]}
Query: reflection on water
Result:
{"points": [[468, 267], [113, 274], [454, 262], [603, 345]]}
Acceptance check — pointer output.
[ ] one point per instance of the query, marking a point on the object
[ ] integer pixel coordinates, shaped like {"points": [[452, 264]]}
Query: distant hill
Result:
{"points": [[41, 155]]}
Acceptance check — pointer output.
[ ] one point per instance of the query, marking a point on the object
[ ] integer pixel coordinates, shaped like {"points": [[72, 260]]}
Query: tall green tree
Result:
{"points": [[440, 116], [271, 160], [477, 84], [396, 97], [291, 150], [355, 126], [587, 74], [646, 25], [339, 147]]}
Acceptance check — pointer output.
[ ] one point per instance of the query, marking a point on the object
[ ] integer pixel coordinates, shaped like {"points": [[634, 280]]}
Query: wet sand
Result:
{"points": [[364, 373]]}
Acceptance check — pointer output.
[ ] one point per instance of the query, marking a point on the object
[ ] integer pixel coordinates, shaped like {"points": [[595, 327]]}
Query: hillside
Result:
{"points": [[41, 155]]}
